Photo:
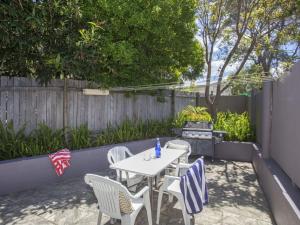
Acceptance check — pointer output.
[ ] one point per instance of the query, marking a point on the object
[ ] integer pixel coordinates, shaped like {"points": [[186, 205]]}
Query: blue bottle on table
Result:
{"points": [[157, 149]]}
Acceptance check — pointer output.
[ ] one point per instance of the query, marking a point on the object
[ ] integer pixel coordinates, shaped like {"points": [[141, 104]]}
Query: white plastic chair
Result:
{"points": [[117, 154], [107, 193], [180, 144], [171, 186]]}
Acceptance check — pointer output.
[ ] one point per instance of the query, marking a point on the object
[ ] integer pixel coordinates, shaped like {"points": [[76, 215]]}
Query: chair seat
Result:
{"points": [[131, 176], [133, 179], [174, 187], [137, 204]]}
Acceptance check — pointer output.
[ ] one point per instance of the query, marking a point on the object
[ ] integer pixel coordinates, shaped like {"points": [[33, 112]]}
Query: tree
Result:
{"points": [[270, 50], [142, 42], [236, 27], [37, 38], [248, 79], [115, 43]]}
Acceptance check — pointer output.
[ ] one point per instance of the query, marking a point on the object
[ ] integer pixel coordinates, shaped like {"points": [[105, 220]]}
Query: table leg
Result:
{"points": [[150, 185]]}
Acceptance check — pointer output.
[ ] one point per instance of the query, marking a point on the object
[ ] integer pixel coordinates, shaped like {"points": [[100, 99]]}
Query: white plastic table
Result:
{"points": [[151, 168]]}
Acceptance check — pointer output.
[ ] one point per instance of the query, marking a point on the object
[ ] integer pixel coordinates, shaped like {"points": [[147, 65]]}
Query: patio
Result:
{"points": [[235, 197]]}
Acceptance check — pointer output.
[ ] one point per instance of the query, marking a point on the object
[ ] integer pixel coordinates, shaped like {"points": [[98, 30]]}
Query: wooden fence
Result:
{"points": [[25, 101]]}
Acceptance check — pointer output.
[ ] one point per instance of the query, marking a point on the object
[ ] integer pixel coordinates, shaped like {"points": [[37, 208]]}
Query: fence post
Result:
{"points": [[65, 108], [197, 99], [252, 107], [173, 103]]}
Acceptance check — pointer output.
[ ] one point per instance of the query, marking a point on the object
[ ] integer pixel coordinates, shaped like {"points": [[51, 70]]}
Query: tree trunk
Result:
{"points": [[212, 109]]}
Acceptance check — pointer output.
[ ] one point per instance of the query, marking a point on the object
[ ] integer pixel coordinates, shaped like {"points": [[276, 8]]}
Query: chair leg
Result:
{"points": [[157, 180], [99, 218], [127, 221], [160, 195], [186, 217], [148, 209], [170, 198]]}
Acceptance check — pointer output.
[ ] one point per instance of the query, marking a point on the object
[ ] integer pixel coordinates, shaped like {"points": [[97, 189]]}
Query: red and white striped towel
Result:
{"points": [[60, 160]]}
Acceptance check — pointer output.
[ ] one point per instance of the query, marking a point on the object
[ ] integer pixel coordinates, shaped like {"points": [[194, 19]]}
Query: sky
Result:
{"points": [[216, 65], [218, 62]]}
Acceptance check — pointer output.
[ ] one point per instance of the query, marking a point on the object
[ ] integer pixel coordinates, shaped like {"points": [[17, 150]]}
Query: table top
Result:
{"points": [[137, 164]]}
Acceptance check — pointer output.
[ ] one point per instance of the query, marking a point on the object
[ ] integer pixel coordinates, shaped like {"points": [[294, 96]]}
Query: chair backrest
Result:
{"points": [[107, 193], [177, 143], [117, 154], [180, 171]]}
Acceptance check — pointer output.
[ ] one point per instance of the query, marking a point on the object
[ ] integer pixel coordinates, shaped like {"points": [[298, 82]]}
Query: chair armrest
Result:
{"points": [[129, 152], [182, 166], [142, 192], [168, 179], [87, 181]]}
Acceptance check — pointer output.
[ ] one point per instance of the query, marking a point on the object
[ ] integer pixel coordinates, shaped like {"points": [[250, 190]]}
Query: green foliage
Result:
{"points": [[80, 137], [44, 140], [191, 113], [282, 29], [38, 38], [14, 144], [237, 126], [10, 141], [111, 42], [237, 32], [239, 84], [129, 131]]}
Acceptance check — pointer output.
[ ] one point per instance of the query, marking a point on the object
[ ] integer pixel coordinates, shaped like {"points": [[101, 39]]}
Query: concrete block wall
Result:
{"points": [[26, 173]]}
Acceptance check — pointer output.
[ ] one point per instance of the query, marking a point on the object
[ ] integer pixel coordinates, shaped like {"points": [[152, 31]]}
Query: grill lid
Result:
{"points": [[198, 126]]}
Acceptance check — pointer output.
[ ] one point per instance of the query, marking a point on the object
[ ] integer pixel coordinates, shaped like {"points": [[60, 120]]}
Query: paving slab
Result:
{"points": [[235, 197]]}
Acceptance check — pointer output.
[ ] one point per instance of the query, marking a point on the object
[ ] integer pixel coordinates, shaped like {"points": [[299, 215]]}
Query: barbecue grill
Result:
{"points": [[202, 137]]}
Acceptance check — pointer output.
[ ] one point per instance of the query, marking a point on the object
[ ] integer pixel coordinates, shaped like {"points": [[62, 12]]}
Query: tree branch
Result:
{"points": [[239, 69]]}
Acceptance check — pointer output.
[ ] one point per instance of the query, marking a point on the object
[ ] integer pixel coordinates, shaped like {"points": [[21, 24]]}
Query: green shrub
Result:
{"points": [[129, 131], [237, 126], [14, 144], [44, 140], [191, 113], [11, 142], [80, 137]]}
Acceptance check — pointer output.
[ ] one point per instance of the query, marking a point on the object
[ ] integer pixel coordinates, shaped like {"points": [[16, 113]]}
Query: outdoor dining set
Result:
{"points": [[181, 180]]}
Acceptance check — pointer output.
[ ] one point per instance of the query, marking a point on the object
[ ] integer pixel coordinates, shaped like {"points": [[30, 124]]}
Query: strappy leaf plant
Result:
{"points": [[191, 113]]}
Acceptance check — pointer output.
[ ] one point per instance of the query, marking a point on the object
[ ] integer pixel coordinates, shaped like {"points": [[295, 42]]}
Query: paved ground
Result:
{"points": [[235, 199]]}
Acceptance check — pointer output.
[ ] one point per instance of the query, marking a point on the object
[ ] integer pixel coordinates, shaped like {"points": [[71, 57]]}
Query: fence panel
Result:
{"points": [[25, 101]]}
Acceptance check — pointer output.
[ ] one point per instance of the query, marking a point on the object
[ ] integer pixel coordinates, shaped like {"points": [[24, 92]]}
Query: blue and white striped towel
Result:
{"points": [[193, 188]]}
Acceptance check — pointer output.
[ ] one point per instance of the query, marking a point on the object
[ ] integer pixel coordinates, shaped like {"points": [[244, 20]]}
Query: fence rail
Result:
{"points": [[25, 101]]}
